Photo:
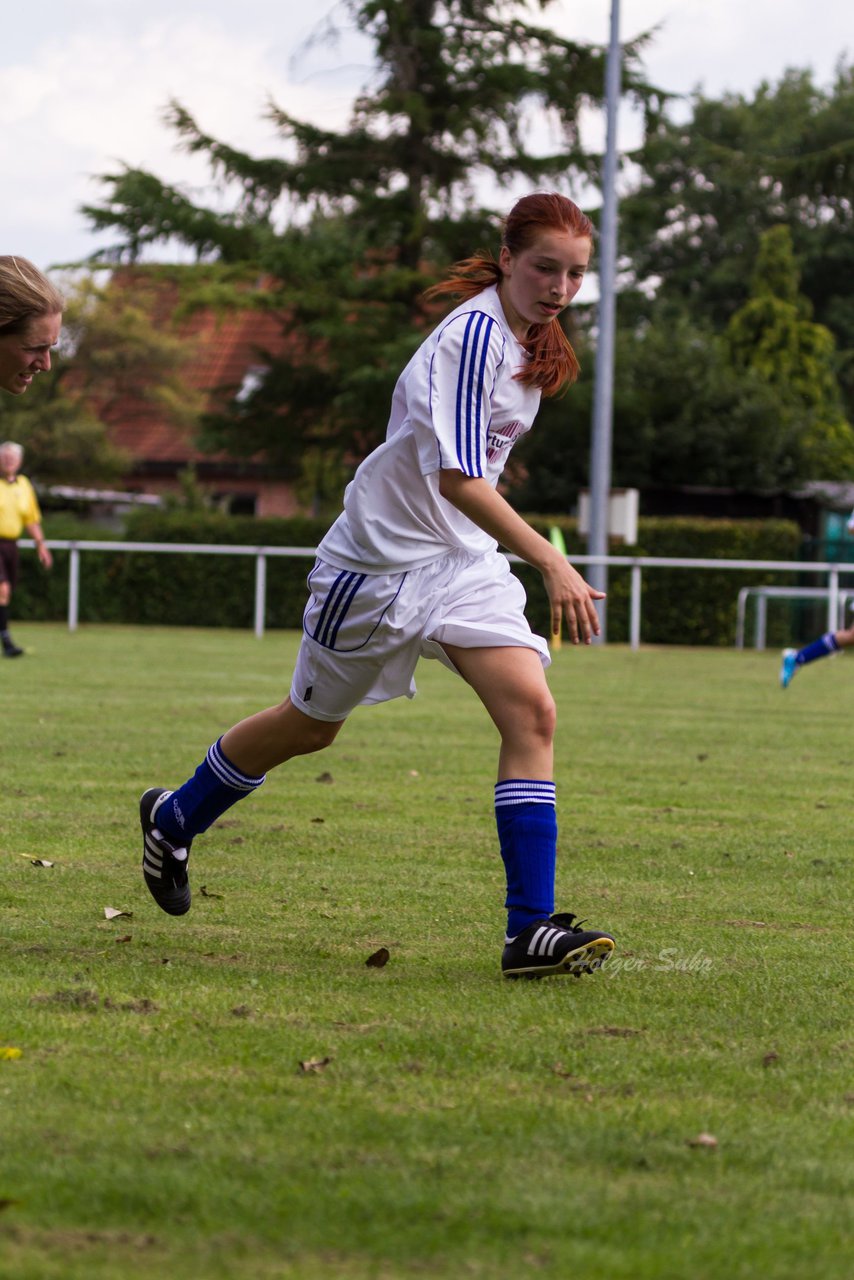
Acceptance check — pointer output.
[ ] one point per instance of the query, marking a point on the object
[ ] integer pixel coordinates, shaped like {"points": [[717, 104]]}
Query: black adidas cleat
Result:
{"points": [[164, 872], [555, 945]]}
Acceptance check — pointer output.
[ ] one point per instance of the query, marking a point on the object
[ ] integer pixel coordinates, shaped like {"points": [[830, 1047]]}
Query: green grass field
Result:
{"points": [[157, 1120]]}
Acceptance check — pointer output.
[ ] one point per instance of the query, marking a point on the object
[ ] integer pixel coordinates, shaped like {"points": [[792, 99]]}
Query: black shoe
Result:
{"points": [[555, 945], [11, 650], [163, 872]]}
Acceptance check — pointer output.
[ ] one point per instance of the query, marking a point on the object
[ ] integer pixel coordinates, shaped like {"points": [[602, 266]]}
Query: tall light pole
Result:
{"points": [[603, 395]]}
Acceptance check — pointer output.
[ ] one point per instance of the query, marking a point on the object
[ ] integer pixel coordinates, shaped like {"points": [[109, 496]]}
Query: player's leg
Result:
{"points": [[237, 763], [8, 566], [341, 663], [823, 647], [511, 684], [234, 766]]}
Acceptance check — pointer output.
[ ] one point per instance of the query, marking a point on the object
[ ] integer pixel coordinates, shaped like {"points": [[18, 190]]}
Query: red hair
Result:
{"points": [[552, 364]]}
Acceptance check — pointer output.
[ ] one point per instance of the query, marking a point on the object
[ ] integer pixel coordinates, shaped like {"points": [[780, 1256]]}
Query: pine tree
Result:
{"points": [[354, 224], [774, 335]]}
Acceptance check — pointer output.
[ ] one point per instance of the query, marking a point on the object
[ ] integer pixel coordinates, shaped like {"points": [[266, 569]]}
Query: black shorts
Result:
{"points": [[9, 561]]}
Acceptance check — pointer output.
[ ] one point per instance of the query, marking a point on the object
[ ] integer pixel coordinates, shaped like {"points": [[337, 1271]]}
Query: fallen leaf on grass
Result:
{"points": [[378, 959], [111, 913], [241, 1011], [206, 894], [324, 777], [9, 1053], [126, 938], [314, 1065], [703, 1140], [769, 1058], [318, 819], [36, 862]]}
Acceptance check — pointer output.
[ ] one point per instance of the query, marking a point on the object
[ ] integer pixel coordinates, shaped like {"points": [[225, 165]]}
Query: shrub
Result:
{"points": [[679, 606]]}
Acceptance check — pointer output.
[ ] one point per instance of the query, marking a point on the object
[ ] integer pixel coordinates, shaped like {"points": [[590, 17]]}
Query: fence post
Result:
{"points": [[635, 608], [761, 620], [740, 613], [73, 587], [260, 592], [833, 600]]}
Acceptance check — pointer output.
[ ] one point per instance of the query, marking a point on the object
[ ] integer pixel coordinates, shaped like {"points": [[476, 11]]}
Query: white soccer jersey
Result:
{"points": [[456, 406]]}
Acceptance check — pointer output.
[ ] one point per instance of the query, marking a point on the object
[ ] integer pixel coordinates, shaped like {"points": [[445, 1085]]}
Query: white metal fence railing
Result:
{"points": [[836, 597]]}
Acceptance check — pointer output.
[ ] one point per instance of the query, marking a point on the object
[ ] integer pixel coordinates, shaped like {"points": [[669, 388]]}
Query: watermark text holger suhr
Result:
{"points": [[668, 960]]}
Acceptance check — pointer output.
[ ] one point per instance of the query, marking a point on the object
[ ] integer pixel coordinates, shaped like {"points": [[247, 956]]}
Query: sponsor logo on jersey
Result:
{"points": [[500, 440]]}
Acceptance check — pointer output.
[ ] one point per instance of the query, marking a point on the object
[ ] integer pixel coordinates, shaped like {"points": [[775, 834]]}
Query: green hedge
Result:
{"points": [[682, 606], [679, 606]]}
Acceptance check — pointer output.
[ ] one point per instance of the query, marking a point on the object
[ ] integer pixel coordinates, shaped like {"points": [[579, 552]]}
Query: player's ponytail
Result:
{"points": [[552, 364]]}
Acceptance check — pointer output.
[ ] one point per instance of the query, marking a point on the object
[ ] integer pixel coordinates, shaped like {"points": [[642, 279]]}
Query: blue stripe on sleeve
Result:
{"points": [[460, 384], [470, 384]]}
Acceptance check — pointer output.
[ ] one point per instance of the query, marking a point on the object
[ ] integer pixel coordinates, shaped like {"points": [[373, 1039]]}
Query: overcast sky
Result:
{"points": [[83, 82]]}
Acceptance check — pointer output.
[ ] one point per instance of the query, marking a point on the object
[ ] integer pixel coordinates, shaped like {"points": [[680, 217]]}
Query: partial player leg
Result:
{"points": [[233, 767], [823, 647], [8, 560], [511, 684]]}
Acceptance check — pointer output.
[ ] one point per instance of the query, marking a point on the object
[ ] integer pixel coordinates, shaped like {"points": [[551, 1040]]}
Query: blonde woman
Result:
{"points": [[30, 320]]}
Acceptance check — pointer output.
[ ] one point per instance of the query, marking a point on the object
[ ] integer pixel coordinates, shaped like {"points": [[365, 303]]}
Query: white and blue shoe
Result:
{"points": [[788, 667]]}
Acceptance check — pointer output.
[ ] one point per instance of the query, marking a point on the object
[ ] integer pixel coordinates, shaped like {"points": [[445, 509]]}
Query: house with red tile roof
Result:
{"points": [[227, 352]]}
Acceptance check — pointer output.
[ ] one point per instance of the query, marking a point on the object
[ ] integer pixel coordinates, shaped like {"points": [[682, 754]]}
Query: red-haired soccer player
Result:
{"points": [[411, 569]]}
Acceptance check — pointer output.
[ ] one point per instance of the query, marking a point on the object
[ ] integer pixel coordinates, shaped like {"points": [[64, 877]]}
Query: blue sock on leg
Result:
{"points": [[215, 786], [820, 648], [526, 818]]}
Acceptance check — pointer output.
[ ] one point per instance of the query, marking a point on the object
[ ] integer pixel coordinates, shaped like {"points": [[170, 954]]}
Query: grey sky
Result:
{"points": [[83, 82]]}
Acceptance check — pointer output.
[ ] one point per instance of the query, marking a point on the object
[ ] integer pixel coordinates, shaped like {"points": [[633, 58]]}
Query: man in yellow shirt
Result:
{"points": [[19, 510]]}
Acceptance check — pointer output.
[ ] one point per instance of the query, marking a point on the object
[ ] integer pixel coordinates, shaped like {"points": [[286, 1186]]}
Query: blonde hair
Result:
{"points": [[25, 293]]}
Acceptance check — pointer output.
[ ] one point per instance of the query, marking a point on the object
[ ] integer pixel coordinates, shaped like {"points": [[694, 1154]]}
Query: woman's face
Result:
{"points": [[22, 355], [543, 279]]}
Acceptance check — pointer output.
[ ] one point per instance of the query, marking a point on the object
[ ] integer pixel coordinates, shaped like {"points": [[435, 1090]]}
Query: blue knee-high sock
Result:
{"points": [[527, 832], [215, 786], [818, 649]]}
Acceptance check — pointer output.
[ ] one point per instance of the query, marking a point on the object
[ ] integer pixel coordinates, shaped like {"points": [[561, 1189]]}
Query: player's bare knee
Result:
{"points": [[537, 720], [545, 718], [306, 733], [321, 734]]}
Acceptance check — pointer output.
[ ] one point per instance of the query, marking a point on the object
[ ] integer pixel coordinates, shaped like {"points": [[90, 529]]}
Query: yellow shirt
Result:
{"points": [[18, 506]]}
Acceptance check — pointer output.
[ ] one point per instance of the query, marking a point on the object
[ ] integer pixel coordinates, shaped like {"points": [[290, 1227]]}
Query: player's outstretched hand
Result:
{"points": [[572, 598]]}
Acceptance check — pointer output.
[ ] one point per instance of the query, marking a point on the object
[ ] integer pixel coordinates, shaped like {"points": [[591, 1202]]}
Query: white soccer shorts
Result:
{"points": [[363, 633]]}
